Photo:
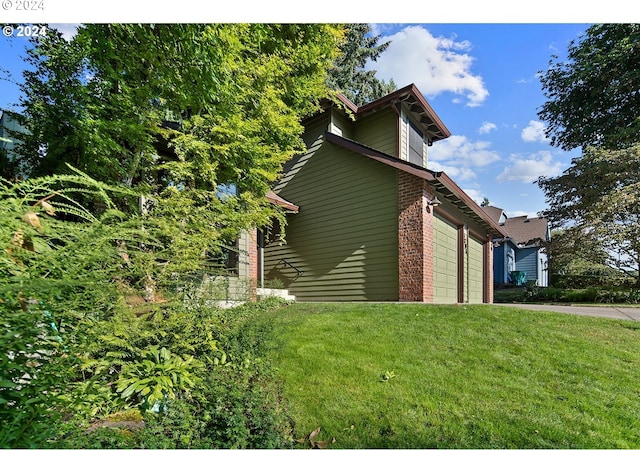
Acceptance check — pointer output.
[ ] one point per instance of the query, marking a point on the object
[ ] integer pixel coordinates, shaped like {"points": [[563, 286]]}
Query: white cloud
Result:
{"points": [[458, 156], [529, 214], [534, 132], [457, 173], [534, 78], [487, 127], [476, 195], [530, 169], [434, 64]]}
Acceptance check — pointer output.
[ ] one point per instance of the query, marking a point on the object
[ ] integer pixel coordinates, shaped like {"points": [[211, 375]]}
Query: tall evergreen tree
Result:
{"points": [[348, 75]]}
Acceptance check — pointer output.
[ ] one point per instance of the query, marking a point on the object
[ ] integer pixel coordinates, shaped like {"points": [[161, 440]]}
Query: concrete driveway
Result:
{"points": [[593, 311]]}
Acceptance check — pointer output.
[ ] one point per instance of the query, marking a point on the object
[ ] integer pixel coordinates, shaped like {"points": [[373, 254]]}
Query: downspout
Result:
{"points": [[261, 258]]}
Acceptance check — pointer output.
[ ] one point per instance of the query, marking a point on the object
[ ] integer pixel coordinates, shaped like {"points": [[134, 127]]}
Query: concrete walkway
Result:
{"points": [[612, 312]]}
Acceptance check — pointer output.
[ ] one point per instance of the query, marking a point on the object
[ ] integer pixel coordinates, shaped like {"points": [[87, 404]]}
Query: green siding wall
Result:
{"points": [[344, 238], [379, 131], [343, 123], [313, 138]]}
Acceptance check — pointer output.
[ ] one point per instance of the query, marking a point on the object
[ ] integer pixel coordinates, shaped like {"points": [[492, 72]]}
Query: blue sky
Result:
{"points": [[481, 79]]}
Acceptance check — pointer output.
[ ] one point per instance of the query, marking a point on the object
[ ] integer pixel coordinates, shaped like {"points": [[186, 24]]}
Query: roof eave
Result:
{"points": [[410, 94], [275, 199], [469, 203], [438, 178]]}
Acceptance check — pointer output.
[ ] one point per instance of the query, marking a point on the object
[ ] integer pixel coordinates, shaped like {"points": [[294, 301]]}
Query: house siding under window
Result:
{"points": [[526, 261]]}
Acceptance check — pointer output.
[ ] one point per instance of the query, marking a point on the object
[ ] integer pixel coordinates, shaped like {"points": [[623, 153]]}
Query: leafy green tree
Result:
{"points": [[599, 197], [594, 97], [178, 112], [348, 74], [574, 254], [197, 118], [98, 102], [594, 104]]}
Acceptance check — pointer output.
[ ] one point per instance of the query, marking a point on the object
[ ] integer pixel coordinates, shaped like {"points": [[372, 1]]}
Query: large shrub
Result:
{"points": [[86, 336]]}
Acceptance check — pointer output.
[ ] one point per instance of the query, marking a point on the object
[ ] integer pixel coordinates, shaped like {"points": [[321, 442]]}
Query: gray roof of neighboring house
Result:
{"points": [[527, 231], [522, 230], [495, 213]]}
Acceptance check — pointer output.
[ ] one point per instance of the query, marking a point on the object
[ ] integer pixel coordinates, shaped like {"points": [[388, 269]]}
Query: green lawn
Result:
{"points": [[457, 376]]}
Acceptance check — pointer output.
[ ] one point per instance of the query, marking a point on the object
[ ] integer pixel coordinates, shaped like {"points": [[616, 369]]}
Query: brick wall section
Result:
{"points": [[428, 292], [253, 263], [415, 240]]}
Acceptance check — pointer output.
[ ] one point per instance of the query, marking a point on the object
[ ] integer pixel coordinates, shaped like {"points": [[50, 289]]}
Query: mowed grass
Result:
{"points": [[457, 376]]}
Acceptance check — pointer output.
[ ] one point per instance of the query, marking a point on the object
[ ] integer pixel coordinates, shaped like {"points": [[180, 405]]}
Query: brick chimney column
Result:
{"points": [[415, 239]]}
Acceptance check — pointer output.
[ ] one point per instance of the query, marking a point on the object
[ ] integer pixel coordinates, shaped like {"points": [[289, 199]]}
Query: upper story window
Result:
{"points": [[415, 152]]}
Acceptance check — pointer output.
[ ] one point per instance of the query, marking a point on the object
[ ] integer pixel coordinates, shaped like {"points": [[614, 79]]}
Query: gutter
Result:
{"points": [[451, 185], [418, 171]]}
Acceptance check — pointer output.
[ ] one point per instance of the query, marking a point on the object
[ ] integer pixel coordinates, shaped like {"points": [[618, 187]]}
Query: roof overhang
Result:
{"points": [[443, 185], [275, 199], [446, 187], [417, 106]]}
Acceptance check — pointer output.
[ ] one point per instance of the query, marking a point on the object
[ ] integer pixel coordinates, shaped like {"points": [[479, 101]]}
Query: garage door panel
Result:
{"points": [[475, 276], [445, 262]]}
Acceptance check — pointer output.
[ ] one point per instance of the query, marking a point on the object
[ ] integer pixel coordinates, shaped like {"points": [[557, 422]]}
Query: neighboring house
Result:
{"points": [[373, 223], [8, 125], [523, 249]]}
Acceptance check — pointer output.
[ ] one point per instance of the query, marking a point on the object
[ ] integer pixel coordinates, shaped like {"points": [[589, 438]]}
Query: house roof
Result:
{"points": [[443, 185], [422, 113], [497, 214], [275, 199], [522, 230], [527, 231]]}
